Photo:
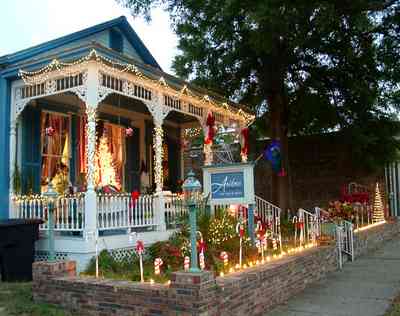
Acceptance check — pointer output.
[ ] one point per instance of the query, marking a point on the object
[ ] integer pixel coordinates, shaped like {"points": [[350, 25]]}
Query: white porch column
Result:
{"points": [[13, 162], [91, 109], [158, 136]]}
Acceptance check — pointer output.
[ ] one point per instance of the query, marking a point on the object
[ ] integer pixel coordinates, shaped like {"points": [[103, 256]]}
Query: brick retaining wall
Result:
{"points": [[251, 292]]}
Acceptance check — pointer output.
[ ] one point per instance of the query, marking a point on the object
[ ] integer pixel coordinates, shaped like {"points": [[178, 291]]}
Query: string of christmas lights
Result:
{"points": [[43, 74]]}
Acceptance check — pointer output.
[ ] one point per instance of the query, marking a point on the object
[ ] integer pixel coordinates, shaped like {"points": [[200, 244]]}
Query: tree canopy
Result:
{"points": [[304, 66]]}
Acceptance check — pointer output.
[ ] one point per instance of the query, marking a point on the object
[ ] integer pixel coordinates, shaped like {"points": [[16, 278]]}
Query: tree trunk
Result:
{"points": [[278, 122]]}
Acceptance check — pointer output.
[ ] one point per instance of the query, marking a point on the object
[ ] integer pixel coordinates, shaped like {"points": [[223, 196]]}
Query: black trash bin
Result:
{"points": [[17, 248]]}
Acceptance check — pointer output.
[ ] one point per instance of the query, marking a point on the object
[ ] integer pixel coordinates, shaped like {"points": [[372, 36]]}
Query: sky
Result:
{"points": [[25, 23]]}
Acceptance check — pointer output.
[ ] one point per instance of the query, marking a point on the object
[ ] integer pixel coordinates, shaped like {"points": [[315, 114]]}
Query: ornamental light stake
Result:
{"points": [[294, 221], [202, 247], [240, 232], [140, 249]]}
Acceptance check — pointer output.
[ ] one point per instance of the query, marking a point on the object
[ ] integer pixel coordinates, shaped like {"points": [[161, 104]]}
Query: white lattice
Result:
{"points": [[123, 254], [44, 256]]}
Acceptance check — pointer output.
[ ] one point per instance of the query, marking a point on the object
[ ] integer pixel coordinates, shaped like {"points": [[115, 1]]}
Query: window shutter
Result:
{"points": [[132, 164], [30, 154]]}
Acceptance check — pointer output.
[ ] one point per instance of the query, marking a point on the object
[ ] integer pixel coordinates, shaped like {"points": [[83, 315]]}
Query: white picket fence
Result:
{"points": [[120, 211], [68, 215]]}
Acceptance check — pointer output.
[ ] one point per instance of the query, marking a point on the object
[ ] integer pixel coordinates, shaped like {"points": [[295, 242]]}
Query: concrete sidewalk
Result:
{"points": [[364, 287]]}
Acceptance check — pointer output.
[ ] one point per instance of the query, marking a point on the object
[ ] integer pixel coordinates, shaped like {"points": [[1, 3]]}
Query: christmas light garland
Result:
{"points": [[75, 67], [158, 157]]}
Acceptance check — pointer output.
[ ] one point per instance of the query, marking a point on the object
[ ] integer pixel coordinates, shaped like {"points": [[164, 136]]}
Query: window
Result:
{"points": [[55, 140], [116, 41]]}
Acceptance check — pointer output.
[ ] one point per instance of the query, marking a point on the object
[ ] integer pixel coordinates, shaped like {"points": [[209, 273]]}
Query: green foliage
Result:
{"points": [[221, 229], [305, 66]]}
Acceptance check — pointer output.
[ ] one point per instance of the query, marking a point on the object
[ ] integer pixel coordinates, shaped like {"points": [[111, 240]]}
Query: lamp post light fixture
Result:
{"points": [[191, 188], [51, 197]]}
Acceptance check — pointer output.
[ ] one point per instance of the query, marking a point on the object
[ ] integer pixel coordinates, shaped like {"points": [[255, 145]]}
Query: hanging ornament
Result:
{"points": [[140, 249], [129, 132], [210, 129], [49, 131], [186, 263], [224, 257], [273, 153], [244, 143], [157, 266]]}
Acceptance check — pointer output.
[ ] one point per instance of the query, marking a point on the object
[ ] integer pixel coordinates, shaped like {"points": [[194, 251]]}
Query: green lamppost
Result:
{"points": [[192, 189], [51, 197]]}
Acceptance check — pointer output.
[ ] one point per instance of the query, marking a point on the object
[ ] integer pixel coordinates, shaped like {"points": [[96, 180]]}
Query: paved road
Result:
{"points": [[363, 288]]}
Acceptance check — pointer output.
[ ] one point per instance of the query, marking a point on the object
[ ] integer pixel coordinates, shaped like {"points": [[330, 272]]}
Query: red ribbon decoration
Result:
{"points": [[244, 141], [210, 123], [139, 247], [300, 225]]}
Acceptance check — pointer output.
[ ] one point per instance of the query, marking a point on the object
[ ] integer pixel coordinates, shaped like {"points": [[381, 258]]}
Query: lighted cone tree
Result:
{"points": [[378, 214], [105, 171]]}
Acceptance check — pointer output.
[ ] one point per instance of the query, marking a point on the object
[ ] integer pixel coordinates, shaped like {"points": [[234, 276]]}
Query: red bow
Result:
{"points": [[300, 225], [139, 247], [134, 197]]}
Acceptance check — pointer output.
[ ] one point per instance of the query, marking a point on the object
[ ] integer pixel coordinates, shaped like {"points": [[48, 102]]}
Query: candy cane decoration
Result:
{"points": [[260, 238], [186, 263], [202, 261], [140, 249], [274, 244], [294, 221], [202, 248], [157, 266], [240, 232], [224, 257]]}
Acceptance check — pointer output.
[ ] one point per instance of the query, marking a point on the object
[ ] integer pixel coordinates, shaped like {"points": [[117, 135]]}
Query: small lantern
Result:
{"points": [[50, 195], [191, 188]]}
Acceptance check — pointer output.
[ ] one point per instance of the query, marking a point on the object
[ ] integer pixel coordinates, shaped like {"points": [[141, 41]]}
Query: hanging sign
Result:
{"points": [[229, 183]]}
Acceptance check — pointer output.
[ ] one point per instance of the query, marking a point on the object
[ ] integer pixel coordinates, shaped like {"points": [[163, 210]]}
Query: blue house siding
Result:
{"points": [[5, 100]]}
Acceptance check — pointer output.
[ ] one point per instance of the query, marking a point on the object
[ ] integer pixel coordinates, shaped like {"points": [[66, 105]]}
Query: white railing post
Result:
{"points": [[159, 212]]}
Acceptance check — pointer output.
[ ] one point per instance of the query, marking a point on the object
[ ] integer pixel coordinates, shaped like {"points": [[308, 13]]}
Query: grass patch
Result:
{"points": [[16, 299]]}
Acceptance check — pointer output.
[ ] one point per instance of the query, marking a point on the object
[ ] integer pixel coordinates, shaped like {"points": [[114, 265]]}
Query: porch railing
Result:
{"points": [[270, 214], [68, 215], [119, 211], [175, 210]]}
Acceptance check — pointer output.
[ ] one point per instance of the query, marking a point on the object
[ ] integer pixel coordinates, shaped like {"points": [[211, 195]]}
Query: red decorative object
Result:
{"points": [[201, 246], [50, 131], [354, 192], [134, 197], [224, 257], [139, 247], [210, 129], [128, 132], [244, 141]]}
